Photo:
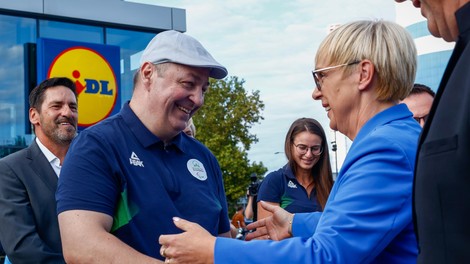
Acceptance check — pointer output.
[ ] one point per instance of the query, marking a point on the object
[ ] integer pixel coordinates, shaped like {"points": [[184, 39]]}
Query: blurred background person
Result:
{"points": [[441, 197], [419, 101], [363, 70], [190, 129], [237, 225], [29, 230], [238, 220], [251, 210], [304, 183]]}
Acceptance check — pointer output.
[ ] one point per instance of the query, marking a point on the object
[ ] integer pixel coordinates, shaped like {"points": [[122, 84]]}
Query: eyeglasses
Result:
{"points": [[303, 149], [318, 74]]}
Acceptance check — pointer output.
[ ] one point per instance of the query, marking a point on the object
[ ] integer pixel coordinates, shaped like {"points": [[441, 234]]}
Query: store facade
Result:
{"points": [[129, 26]]}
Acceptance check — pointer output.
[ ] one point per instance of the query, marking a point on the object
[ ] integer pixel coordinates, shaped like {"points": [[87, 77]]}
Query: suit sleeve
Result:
{"points": [[18, 234]]}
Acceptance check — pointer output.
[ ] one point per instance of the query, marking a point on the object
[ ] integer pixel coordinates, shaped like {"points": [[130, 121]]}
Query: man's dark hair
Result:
{"points": [[421, 88], [36, 96]]}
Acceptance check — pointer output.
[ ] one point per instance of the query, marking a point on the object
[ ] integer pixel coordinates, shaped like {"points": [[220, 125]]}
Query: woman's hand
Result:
{"points": [[195, 245]]}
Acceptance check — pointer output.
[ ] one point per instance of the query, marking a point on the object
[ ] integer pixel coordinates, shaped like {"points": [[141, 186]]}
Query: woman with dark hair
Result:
{"points": [[304, 183]]}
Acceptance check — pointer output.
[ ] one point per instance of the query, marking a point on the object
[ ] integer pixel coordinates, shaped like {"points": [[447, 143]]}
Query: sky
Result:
{"points": [[271, 44]]}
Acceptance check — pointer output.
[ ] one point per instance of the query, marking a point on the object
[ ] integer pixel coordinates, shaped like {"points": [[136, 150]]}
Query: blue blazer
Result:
{"points": [[367, 218], [29, 229]]}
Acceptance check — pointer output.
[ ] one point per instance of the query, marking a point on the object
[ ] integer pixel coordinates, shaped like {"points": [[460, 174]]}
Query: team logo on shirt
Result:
{"points": [[196, 168], [291, 184], [134, 160]]}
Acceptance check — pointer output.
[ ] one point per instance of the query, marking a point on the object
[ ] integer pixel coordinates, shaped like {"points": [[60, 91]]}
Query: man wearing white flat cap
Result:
{"points": [[125, 178]]}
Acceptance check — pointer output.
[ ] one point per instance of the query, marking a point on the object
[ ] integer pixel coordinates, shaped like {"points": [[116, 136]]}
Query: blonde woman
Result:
{"points": [[363, 69]]}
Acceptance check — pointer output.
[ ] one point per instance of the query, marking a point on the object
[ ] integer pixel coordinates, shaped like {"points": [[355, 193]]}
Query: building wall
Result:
{"points": [[114, 12], [433, 53], [127, 25]]}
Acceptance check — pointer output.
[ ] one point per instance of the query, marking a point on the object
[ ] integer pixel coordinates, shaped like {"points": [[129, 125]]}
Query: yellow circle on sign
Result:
{"points": [[94, 79]]}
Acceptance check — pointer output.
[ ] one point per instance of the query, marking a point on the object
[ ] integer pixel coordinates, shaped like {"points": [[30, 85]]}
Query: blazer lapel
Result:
{"points": [[41, 166]]}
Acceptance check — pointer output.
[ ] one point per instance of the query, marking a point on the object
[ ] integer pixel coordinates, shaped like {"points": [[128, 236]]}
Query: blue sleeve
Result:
{"points": [[369, 206], [304, 224], [271, 188]]}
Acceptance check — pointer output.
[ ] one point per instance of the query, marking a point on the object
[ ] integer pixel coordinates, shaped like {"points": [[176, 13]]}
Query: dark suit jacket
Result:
{"points": [[29, 229], [442, 174]]}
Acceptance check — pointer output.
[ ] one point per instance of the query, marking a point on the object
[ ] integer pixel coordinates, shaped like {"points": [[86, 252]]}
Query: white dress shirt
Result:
{"points": [[53, 160]]}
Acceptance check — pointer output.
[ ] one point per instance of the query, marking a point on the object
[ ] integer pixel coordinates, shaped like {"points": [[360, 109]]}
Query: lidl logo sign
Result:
{"points": [[95, 70], [95, 81]]}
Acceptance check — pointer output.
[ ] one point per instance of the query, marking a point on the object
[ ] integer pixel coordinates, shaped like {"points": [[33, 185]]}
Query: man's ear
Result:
{"points": [[147, 70], [367, 74], [33, 116]]}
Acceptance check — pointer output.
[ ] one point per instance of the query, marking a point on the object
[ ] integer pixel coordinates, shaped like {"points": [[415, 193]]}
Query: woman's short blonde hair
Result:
{"points": [[386, 44]]}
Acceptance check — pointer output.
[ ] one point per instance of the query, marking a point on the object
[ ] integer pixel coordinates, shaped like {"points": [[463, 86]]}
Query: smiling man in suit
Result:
{"points": [[29, 230]]}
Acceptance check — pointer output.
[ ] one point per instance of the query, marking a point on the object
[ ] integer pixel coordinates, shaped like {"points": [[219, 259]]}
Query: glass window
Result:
{"points": [[132, 44], [431, 67], [18, 36], [419, 29], [15, 32], [69, 31]]}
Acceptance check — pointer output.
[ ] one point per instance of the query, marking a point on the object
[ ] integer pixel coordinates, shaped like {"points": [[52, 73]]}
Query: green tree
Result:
{"points": [[223, 125]]}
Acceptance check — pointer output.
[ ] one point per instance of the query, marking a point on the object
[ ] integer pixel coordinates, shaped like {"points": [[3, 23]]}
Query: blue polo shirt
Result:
{"points": [[282, 187], [118, 167]]}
